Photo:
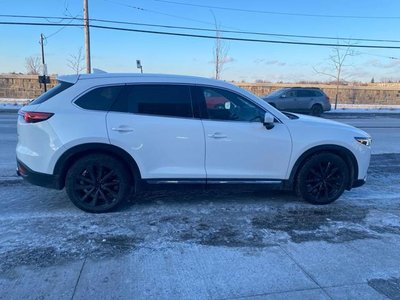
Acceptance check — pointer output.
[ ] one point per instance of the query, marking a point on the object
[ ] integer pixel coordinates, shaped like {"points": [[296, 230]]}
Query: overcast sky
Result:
{"points": [[117, 51]]}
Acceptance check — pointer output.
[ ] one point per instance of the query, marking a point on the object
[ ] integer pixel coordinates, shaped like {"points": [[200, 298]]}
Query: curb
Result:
{"points": [[10, 180]]}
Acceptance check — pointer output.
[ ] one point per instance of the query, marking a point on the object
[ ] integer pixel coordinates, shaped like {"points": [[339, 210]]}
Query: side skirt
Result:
{"points": [[210, 184]]}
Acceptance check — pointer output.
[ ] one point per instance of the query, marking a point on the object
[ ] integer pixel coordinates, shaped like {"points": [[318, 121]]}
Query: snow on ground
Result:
{"points": [[12, 103], [365, 108]]}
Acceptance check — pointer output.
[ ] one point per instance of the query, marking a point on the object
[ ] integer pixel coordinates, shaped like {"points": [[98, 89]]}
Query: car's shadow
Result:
{"points": [[182, 196]]}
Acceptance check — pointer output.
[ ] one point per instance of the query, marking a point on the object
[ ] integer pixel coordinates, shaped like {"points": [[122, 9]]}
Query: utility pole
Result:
{"points": [[87, 35], [44, 69]]}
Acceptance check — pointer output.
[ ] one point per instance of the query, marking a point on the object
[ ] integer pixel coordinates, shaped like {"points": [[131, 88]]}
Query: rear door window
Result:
{"points": [[99, 98], [155, 99], [305, 93]]}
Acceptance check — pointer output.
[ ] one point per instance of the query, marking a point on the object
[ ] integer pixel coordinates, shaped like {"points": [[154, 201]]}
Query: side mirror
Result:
{"points": [[269, 121]]}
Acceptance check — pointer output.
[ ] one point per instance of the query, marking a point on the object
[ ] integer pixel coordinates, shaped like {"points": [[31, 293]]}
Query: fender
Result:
{"points": [[344, 153], [73, 154]]}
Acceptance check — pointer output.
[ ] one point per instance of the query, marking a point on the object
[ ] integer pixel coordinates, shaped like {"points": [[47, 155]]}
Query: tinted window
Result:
{"points": [[99, 98], [161, 100], [318, 94], [228, 106], [290, 94], [305, 93], [62, 86]]}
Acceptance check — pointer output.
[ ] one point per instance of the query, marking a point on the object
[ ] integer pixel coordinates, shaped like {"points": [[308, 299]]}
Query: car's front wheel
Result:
{"points": [[97, 183], [323, 178]]}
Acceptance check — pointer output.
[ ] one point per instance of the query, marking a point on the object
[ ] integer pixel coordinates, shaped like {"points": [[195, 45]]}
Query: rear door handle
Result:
{"points": [[122, 129], [217, 135]]}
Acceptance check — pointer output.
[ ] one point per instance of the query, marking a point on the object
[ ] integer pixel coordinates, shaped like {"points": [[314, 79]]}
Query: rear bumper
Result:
{"points": [[36, 178]]}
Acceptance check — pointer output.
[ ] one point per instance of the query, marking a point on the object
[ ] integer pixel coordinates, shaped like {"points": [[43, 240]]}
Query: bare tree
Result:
{"points": [[336, 66], [220, 51], [76, 62], [33, 65]]}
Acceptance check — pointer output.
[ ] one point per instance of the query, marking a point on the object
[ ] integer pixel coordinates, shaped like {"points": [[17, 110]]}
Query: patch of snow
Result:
{"points": [[364, 108], [12, 103], [8, 106]]}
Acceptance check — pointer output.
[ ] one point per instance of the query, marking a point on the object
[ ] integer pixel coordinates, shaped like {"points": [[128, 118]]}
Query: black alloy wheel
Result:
{"points": [[97, 183], [323, 178], [317, 110]]}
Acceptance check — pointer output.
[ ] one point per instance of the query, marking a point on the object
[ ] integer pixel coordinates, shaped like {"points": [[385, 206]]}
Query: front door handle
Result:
{"points": [[122, 129], [217, 135]]}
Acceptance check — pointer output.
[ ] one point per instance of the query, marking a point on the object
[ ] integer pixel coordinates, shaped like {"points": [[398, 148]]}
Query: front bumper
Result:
{"points": [[36, 178]]}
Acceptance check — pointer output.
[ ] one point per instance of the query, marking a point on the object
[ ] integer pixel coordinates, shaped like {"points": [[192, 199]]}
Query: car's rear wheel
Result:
{"points": [[322, 179], [97, 183], [317, 110]]}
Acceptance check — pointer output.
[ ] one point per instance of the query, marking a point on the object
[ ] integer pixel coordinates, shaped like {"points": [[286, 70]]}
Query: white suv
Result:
{"points": [[104, 136]]}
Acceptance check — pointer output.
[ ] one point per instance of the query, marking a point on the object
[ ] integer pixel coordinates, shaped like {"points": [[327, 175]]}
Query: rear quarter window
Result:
{"points": [[317, 94], [62, 86], [99, 98]]}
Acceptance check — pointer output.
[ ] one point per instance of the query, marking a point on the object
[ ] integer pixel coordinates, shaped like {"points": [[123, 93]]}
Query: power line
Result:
{"points": [[248, 40], [66, 13], [205, 36], [277, 12], [57, 31], [157, 12], [378, 55], [207, 29]]}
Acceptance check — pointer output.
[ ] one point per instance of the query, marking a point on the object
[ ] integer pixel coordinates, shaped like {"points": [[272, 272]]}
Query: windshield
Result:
{"points": [[52, 92]]}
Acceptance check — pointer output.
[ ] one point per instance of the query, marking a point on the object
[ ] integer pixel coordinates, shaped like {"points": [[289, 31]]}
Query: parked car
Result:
{"points": [[303, 100], [104, 136]]}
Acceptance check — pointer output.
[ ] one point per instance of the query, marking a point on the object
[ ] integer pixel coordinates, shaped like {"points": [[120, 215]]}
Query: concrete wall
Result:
{"points": [[371, 94], [28, 87], [22, 86]]}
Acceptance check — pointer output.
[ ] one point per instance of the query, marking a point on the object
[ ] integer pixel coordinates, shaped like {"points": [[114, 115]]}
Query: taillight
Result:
{"points": [[35, 117]]}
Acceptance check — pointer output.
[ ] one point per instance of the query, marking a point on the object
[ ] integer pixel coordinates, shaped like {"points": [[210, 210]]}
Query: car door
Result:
{"points": [[154, 123], [304, 99], [238, 146], [288, 100]]}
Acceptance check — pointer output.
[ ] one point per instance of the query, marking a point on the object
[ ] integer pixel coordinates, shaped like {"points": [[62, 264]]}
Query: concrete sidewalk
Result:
{"points": [[363, 269]]}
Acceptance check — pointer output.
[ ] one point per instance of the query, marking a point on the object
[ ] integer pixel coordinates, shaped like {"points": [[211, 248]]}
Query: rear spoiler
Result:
{"points": [[68, 78]]}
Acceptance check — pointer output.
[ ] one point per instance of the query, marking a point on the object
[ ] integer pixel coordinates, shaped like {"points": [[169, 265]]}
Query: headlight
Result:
{"points": [[366, 141]]}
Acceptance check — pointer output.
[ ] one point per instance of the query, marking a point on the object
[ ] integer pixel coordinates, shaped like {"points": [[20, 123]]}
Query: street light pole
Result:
{"points": [[87, 35]]}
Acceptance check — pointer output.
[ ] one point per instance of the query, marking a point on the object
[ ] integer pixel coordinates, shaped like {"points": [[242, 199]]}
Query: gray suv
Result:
{"points": [[303, 100]]}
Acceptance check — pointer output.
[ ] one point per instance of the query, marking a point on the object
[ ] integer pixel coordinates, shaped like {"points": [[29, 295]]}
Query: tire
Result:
{"points": [[322, 178], [98, 183], [316, 110]]}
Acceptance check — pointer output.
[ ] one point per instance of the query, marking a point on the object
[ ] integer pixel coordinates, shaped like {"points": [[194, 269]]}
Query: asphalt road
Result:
{"points": [[8, 141], [385, 130], [205, 244]]}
